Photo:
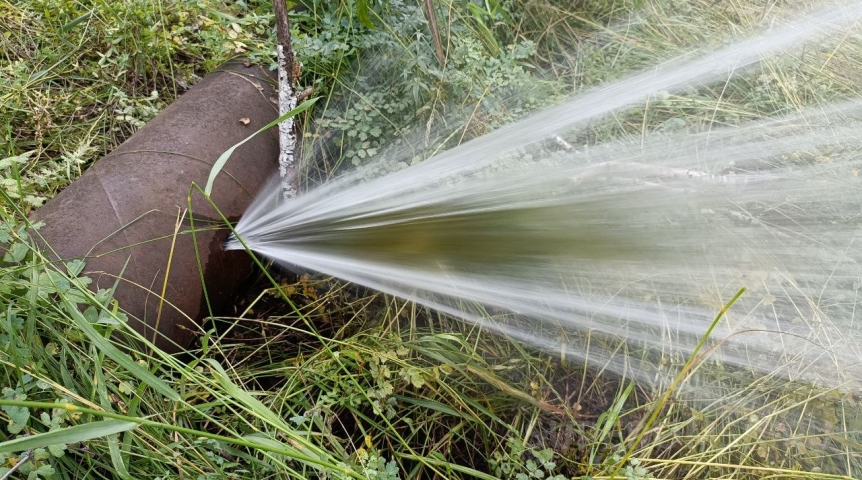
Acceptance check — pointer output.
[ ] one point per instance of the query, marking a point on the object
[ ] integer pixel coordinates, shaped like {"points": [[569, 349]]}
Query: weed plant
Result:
{"points": [[348, 383]]}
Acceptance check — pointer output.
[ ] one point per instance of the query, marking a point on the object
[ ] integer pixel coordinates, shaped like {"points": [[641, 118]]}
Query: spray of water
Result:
{"points": [[637, 241]]}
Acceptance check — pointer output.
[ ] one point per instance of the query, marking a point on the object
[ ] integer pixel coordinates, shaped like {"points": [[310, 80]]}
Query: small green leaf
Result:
{"points": [[15, 428], [413, 376], [125, 388], [54, 280], [57, 449], [16, 253], [75, 267], [298, 419], [18, 416], [45, 471], [105, 318], [40, 454], [91, 314]]}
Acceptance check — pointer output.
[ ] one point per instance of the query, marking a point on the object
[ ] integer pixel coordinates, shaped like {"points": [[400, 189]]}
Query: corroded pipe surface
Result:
{"points": [[121, 215]]}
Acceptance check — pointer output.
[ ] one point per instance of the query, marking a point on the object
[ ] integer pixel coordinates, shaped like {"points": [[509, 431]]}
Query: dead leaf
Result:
{"points": [[304, 94]]}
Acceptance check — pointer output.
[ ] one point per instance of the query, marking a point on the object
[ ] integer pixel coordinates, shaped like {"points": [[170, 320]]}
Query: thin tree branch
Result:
{"points": [[435, 34], [287, 76]]}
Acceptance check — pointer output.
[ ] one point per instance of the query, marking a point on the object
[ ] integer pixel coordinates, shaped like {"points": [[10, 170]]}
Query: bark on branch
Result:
{"points": [[287, 73]]}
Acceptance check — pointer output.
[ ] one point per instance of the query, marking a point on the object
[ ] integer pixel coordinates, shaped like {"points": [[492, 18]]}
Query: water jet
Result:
{"points": [[640, 241]]}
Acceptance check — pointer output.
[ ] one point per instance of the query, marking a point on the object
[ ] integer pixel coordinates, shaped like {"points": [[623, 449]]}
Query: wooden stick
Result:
{"points": [[435, 34], [287, 76]]}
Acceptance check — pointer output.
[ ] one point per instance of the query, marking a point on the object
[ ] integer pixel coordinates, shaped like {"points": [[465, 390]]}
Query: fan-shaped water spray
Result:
{"points": [[641, 241]]}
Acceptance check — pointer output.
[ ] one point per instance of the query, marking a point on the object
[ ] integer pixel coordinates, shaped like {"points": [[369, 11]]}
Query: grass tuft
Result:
{"points": [[313, 378]]}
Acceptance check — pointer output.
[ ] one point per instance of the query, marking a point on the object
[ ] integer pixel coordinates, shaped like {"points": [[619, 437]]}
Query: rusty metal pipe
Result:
{"points": [[122, 214]]}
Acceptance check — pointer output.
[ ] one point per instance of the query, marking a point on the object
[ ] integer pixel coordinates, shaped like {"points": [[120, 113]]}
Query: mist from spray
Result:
{"points": [[625, 243]]}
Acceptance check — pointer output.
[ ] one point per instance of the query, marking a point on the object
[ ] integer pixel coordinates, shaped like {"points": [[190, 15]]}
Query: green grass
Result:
{"points": [[377, 387]]}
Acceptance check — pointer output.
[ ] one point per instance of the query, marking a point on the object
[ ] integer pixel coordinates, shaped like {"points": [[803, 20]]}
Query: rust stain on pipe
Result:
{"points": [[124, 210]]}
